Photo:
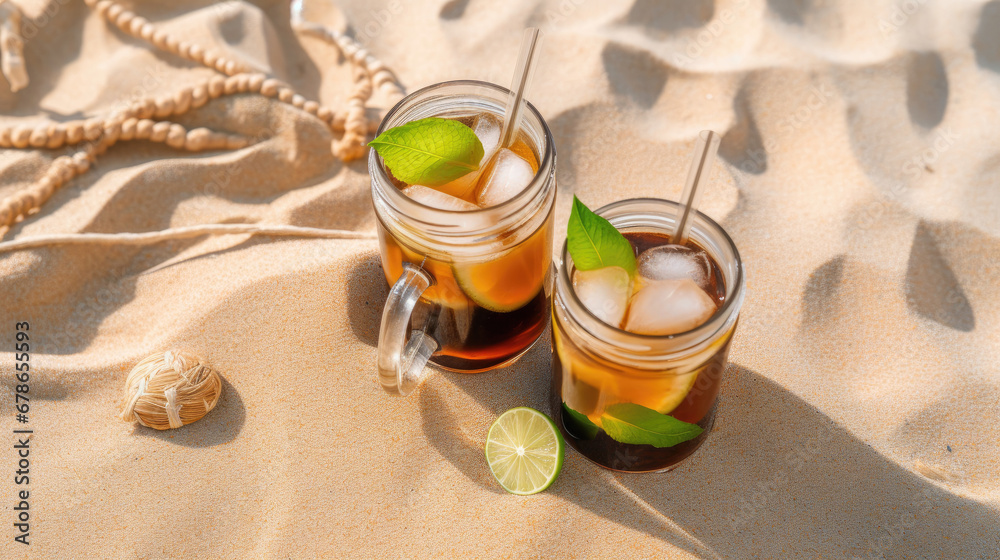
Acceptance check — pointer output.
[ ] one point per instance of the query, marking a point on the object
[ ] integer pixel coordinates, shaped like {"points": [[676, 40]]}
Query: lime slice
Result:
{"points": [[509, 281], [587, 387], [524, 450]]}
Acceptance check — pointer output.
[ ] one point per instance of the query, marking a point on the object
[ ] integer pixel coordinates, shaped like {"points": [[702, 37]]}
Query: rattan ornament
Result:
{"points": [[169, 390], [12, 46]]}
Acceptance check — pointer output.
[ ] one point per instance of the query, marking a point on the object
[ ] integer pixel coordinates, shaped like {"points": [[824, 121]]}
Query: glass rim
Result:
{"points": [[406, 206], [702, 332]]}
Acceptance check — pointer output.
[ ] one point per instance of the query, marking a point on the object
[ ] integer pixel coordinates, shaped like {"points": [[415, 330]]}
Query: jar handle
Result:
{"points": [[401, 361]]}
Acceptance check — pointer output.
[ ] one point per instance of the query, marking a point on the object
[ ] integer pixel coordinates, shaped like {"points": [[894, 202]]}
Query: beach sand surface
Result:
{"points": [[859, 177]]}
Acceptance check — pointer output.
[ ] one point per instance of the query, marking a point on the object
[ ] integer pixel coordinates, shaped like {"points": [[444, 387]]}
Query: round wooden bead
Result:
{"points": [[171, 43], [63, 167], [160, 38], [255, 82], [324, 113], [45, 187], [98, 148], [57, 136], [197, 139], [231, 67], [114, 10], [92, 129], [5, 138], [234, 142], [124, 19], [38, 138], [216, 140], [135, 26], [310, 107], [216, 86], [382, 76], [160, 130], [103, 6], [176, 136], [143, 129], [144, 109], [232, 84], [164, 107], [147, 31], [210, 58], [270, 87], [27, 201], [199, 96], [112, 131], [81, 163], [20, 137], [195, 52], [286, 95], [242, 83], [298, 101], [182, 101], [128, 128], [74, 132], [14, 204]]}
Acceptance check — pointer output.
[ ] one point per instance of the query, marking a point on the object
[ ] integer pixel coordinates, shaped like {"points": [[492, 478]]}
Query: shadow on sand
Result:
{"points": [[762, 486]]}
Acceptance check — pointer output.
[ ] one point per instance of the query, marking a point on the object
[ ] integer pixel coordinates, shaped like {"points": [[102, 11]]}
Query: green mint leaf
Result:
{"points": [[430, 152], [632, 423], [578, 424], [594, 243]]}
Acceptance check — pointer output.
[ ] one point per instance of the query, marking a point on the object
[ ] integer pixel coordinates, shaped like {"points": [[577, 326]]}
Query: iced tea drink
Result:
{"points": [[481, 243], [638, 359]]}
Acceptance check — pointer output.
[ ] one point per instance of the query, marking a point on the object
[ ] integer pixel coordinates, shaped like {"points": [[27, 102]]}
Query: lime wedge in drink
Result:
{"points": [[509, 281], [524, 450]]}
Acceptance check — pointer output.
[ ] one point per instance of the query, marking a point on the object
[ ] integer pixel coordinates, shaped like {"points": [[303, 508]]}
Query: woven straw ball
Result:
{"points": [[169, 390]]}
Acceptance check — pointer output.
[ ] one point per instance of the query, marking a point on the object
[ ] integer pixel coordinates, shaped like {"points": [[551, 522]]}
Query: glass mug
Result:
{"points": [[596, 365], [470, 290]]}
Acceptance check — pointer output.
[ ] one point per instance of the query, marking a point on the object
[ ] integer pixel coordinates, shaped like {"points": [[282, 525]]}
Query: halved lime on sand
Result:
{"points": [[524, 450]]}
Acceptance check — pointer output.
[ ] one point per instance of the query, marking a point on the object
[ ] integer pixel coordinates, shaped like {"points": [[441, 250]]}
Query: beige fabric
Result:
{"points": [[859, 417]]}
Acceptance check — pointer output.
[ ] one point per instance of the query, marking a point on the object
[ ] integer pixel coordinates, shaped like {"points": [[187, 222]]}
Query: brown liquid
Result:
{"points": [[472, 337], [486, 312], [588, 384]]}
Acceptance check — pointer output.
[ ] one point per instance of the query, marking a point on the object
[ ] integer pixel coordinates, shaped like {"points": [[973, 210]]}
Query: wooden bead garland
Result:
{"points": [[137, 121]]}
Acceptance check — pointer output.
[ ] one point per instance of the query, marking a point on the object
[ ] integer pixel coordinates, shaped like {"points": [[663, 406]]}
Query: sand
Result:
{"points": [[859, 416]]}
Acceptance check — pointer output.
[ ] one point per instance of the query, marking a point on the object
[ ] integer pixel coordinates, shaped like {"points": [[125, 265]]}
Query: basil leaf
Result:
{"points": [[578, 424], [430, 152], [636, 424], [594, 243]]}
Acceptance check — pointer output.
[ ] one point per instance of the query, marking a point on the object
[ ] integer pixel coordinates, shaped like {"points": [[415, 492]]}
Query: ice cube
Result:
{"points": [[437, 199], [487, 129], [665, 307], [508, 175], [674, 262], [605, 292]]}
